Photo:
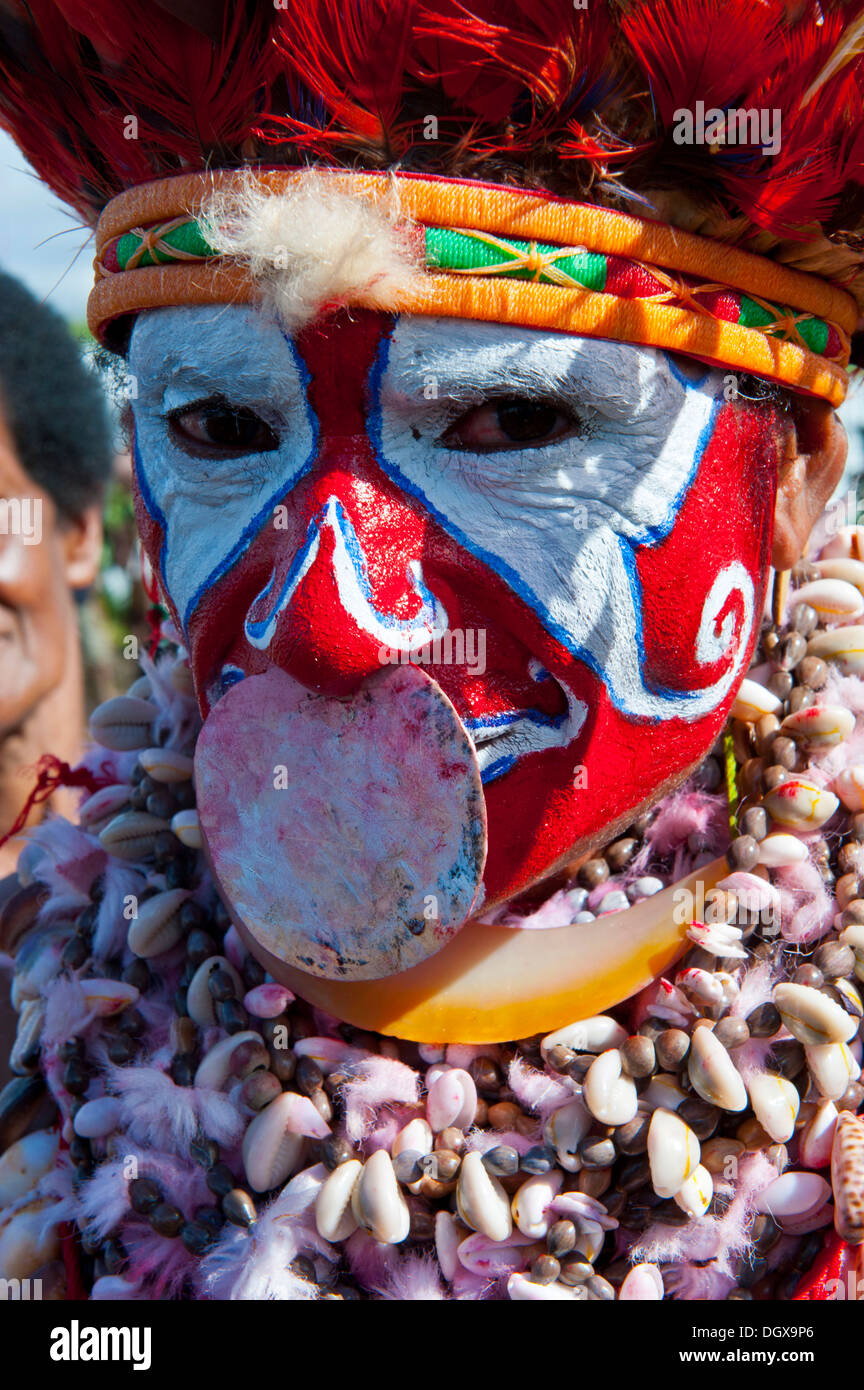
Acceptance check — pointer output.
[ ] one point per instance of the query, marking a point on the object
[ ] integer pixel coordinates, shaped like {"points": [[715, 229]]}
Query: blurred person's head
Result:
{"points": [[55, 454]]}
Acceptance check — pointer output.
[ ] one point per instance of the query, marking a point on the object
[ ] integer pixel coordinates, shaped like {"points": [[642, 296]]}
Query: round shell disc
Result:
{"points": [[348, 835]]}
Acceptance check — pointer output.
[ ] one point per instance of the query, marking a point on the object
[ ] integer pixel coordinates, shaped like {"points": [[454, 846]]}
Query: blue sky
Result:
{"points": [[30, 247]]}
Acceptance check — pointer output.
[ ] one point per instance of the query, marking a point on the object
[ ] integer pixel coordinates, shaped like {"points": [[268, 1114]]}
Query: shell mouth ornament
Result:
{"points": [[460, 486]]}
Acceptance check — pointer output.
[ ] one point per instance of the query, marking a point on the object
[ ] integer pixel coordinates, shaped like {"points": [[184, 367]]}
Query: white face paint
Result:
{"points": [[557, 522]]}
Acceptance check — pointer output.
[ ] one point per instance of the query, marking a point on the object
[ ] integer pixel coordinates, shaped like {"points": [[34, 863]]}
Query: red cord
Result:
{"points": [[52, 773]]}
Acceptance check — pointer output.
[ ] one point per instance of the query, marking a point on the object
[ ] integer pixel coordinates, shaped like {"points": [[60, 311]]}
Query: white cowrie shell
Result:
{"points": [[481, 1200], [849, 786], [104, 805], [132, 834], [847, 542], [214, 1069], [329, 1053], [268, 1000], [480, 1255], [187, 828], [775, 1104], [713, 1074], [610, 1096], [31, 1019], [199, 1002], [166, 765], [832, 1067], [847, 1177], [779, 850], [793, 1195], [811, 1016], [700, 985], [662, 1092], [844, 645], [416, 1137], [156, 928], [531, 1202], [673, 1152], [451, 1100], [26, 1243], [853, 936], [817, 1137], [819, 726], [850, 571], [378, 1203], [565, 1129], [644, 1284], [800, 804], [25, 1162], [832, 598], [696, 1193], [752, 701], [97, 1118], [107, 997], [594, 1034], [271, 1151], [448, 1238], [589, 1240], [334, 1216], [123, 723], [521, 1289]]}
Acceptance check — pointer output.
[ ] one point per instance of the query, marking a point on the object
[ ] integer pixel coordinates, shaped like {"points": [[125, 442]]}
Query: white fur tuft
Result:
{"points": [[314, 246]]}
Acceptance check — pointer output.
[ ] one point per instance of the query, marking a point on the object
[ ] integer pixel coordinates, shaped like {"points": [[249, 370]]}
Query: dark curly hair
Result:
{"points": [[53, 406]]}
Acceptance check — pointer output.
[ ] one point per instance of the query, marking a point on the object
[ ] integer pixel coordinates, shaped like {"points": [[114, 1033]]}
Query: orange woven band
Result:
{"points": [[673, 299]]}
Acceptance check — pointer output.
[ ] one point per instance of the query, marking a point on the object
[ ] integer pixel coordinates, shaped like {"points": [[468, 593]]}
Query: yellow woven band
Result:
{"points": [[682, 266]]}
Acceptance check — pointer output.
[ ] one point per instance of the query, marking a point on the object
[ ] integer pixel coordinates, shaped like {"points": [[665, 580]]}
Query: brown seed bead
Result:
{"points": [[247, 1057], [600, 1289], [200, 946], [751, 775], [615, 1202], [596, 1152], [808, 975], [137, 973], [561, 1238], [652, 1028], [259, 1089], [593, 873], [76, 1077], [321, 1101], [732, 1032], [672, 1047], [754, 822], [232, 1015], [184, 1035], [593, 1181], [580, 1065], [849, 857], [633, 1174], [308, 1076], [847, 888], [721, 905], [545, 1270], [196, 1237], [853, 913], [283, 1064], [801, 698], [743, 853], [788, 1058], [766, 730], [144, 1195], [784, 752], [221, 985], [805, 620], [701, 1117], [858, 825], [452, 1139], [204, 1151], [486, 1076], [834, 960], [851, 1098], [575, 1270], [764, 1021], [481, 1114], [620, 853], [275, 1030], [739, 1295], [239, 1208], [166, 1219], [559, 1058], [793, 649], [220, 1179], [780, 684], [638, 1056], [813, 672], [335, 1151], [632, 1138], [504, 1115], [770, 641], [447, 1164], [422, 1224], [183, 1067]]}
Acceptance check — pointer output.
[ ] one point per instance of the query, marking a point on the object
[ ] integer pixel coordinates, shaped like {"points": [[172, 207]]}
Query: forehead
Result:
{"points": [[246, 348]]}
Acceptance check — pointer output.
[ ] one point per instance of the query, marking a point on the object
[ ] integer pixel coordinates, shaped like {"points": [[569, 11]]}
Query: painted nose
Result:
{"points": [[323, 620]]}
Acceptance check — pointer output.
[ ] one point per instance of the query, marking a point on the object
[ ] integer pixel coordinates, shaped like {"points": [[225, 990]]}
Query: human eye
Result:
{"points": [[511, 422], [215, 427]]}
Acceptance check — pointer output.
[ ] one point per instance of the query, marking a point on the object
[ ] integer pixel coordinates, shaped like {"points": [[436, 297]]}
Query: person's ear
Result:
{"points": [[81, 541], [812, 459]]}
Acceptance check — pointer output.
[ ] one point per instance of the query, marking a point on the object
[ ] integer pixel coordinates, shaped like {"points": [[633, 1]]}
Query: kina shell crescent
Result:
{"points": [[348, 834]]}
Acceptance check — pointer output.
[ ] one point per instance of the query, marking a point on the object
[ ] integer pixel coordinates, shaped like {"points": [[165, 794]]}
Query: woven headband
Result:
{"points": [[509, 256]]}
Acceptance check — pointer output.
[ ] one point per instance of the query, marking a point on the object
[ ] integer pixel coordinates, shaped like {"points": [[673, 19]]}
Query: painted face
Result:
{"points": [[570, 535]]}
